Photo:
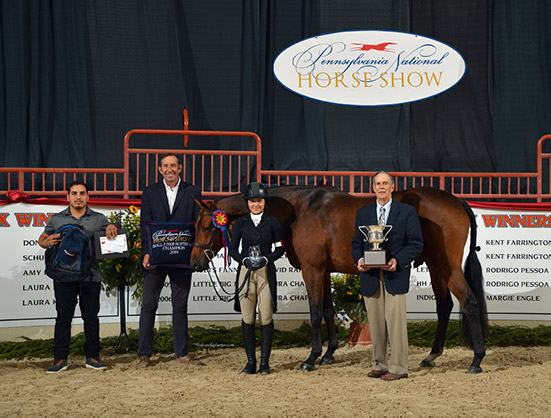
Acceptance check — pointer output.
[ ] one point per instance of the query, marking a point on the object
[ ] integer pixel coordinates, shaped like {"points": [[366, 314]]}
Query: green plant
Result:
{"points": [[124, 270], [347, 297], [420, 334]]}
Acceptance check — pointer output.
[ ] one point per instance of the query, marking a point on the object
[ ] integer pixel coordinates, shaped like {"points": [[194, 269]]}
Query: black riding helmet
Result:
{"points": [[256, 190]]}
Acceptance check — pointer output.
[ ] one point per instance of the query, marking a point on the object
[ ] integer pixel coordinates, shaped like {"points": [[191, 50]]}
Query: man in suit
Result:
{"points": [[170, 200], [384, 289]]}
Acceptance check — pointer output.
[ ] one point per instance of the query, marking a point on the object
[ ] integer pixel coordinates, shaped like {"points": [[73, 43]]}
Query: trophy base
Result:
{"points": [[375, 258]]}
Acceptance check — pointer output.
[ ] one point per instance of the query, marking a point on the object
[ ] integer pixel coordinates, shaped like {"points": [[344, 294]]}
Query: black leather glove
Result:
{"points": [[255, 264], [258, 264], [247, 263]]}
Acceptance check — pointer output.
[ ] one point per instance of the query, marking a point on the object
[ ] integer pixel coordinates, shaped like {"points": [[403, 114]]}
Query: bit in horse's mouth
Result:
{"points": [[197, 266]]}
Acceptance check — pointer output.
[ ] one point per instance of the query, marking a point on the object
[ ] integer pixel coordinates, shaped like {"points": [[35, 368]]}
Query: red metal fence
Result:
{"points": [[216, 172], [472, 186], [54, 181], [224, 172]]}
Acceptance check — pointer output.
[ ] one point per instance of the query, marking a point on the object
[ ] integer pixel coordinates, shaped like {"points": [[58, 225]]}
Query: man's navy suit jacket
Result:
{"points": [[155, 207], [405, 244]]}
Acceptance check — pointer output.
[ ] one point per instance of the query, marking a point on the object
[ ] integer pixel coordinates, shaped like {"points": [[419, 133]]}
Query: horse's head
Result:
{"points": [[208, 238]]}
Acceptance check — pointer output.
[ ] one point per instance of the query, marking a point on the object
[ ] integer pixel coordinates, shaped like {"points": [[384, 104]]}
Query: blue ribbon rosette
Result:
{"points": [[220, 220]]}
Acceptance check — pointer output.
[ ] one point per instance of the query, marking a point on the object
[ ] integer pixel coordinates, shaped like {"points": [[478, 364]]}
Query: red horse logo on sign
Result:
{"points": [[367, 47]]}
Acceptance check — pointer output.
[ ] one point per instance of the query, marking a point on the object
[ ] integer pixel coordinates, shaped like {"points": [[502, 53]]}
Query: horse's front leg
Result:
{"points": [[329, 317], [314, 287], [444, 307]]}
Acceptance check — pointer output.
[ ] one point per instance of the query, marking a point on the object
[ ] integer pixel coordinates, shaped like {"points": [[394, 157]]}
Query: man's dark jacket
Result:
{"points": [[155, 207], [405, 244]]}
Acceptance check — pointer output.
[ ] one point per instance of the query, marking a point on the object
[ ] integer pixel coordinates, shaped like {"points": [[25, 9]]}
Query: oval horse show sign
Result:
{"points": [[369, 68]]}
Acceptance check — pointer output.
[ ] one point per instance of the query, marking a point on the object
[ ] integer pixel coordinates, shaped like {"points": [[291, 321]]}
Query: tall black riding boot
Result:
{"points": [[266, 338], [249, 340]]}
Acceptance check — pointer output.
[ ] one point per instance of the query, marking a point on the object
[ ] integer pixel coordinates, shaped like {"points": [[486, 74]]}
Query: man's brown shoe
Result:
{"points": [[394, 376], [190, 361], [143, 362], [377, 373]]}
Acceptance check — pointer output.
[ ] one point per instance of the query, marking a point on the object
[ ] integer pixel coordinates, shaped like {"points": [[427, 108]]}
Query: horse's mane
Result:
{"points": [[293, 188], [309, 188], [284, 201]]}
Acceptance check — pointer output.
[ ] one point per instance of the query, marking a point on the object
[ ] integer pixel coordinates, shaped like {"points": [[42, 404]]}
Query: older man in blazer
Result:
{"points": [[384, 289], [170, 200]]}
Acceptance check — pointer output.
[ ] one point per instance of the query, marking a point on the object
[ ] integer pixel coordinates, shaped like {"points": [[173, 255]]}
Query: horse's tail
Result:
{"points": [[475, 280]]}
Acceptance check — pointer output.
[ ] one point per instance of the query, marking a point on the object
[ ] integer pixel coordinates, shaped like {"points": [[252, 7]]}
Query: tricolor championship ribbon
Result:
{"points": [[220, 220]]}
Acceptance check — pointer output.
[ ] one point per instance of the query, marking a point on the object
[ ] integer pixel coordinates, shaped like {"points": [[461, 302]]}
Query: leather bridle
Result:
{"points": [[208, 247], [209, 253]]}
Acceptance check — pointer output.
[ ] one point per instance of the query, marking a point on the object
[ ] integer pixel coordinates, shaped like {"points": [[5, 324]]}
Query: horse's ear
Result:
{"points": [[200, 203]]}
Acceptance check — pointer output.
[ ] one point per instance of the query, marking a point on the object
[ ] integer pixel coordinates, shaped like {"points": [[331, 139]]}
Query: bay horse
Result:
{"points": [[318, 224]]}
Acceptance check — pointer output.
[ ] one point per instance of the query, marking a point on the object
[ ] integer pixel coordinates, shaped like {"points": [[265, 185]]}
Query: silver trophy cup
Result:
{"points": [[255, 255], [375, 235]]}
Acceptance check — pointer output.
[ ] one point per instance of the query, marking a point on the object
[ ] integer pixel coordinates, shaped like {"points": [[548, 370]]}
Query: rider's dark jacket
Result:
{"points": [[267, 232]]}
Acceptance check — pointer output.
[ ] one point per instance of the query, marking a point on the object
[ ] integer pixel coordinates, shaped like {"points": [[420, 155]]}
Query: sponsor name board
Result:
{"points": [[27, 296], [515, 256]]}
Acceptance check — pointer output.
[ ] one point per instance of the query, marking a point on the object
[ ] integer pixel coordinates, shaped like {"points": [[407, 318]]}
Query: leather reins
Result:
{"points": [[209, 253]]}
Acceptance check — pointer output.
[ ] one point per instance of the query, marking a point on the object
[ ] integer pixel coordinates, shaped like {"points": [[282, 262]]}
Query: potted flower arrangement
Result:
{"points": [[349, 304], [347, 297], [125, 271]]}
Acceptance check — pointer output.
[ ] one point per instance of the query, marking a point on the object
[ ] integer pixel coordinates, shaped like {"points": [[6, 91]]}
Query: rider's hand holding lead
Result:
{"points": [[248, 263], [262, 262]]}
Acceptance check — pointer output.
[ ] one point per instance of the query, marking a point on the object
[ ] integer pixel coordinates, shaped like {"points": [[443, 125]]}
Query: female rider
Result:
{"points": [[260, 236]]}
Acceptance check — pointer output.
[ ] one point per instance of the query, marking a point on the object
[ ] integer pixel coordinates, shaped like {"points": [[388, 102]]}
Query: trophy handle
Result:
{"points": [[365, 234], [389, 229]]}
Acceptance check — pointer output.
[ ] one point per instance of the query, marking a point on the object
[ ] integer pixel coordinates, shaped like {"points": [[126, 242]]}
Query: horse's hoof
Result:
{"points": [[427, 363], [326, 361], [474, 370], [307, 367]]}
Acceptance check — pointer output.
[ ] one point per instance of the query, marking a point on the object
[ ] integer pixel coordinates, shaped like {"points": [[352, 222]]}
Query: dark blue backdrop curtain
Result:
{"points": [[76, 75], [46, 100]]}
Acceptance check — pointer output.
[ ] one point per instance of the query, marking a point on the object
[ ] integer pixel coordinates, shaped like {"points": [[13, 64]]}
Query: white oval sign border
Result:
{"points": [[456, 60]]}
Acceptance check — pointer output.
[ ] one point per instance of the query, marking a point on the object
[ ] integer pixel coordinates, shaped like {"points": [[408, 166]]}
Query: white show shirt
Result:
{"points": [[256, 218], [171, 193]]}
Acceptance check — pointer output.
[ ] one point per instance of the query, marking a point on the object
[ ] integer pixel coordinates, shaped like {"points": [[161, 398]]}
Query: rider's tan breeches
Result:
{"points": [[259, 291]]}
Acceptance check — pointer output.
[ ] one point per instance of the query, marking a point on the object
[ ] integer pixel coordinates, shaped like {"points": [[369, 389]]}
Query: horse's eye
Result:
{"points": [[207, 228]]}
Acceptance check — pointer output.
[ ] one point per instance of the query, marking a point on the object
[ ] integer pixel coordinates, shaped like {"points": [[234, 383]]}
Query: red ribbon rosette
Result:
{"points": [[17, 195]]}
